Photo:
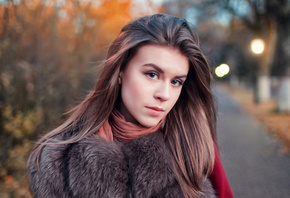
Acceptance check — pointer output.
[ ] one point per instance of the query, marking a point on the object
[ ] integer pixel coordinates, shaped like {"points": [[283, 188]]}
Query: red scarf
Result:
{"points": [[117, 127]]}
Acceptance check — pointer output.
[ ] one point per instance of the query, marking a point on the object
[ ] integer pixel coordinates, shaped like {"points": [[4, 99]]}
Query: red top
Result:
{"points": [[219, 179]]}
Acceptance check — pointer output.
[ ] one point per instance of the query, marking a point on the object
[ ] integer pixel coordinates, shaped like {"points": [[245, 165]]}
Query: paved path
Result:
{"points": [[253, 161]]}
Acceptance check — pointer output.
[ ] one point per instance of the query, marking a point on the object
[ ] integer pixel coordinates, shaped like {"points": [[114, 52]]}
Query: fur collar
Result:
{"points": [[93, 167]]}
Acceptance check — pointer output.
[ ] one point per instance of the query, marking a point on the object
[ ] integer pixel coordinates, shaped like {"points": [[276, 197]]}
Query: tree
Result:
{"points": [[264, 19]]}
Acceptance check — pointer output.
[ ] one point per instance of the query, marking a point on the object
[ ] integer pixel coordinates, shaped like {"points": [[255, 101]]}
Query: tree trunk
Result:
{"points": [[263, 92], [283, 103]]}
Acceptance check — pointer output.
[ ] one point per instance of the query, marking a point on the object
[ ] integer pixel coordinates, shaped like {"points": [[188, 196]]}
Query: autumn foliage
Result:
{"points": [[48, 54]]}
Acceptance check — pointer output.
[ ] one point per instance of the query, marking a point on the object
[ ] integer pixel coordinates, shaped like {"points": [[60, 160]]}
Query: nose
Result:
{"points": [[162, 92]]}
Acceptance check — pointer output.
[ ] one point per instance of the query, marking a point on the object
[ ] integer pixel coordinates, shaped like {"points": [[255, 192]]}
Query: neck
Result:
{"points": [[117, 127]]}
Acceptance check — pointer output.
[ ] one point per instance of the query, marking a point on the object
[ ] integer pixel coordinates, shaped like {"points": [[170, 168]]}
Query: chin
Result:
{"points": [[149, 123]]}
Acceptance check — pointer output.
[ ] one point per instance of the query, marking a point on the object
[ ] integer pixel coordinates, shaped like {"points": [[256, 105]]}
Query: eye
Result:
{"points": [[152, 75], [177, 83]]}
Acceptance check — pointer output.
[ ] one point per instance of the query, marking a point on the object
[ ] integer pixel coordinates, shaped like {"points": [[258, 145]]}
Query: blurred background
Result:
{"points": [[50, 50]]}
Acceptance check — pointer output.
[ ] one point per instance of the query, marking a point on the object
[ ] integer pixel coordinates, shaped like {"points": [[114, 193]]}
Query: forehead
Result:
{"points": [[166, 58]]}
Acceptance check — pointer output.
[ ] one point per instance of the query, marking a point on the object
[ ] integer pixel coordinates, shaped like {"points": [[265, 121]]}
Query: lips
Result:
{"points": [[156, 108], [155, 111]]}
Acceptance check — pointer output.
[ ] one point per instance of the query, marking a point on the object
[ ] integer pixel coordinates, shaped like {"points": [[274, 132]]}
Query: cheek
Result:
{"points": [[132, 91], [174, 98]]}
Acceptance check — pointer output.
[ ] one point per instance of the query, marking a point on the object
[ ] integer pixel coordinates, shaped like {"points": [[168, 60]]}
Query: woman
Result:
{"points": [[146, 130]]}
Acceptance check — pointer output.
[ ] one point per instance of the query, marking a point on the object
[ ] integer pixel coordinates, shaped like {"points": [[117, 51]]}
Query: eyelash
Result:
{"points": [[179, 81], [151, 73]]}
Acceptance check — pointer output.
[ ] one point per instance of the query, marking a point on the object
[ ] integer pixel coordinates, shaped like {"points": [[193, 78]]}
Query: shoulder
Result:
{"points": [[66, 170], [152, 171]]}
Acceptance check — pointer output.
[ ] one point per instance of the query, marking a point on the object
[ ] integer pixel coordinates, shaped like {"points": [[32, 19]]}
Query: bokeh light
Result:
{"points": [[222, 70], [257, 46]]}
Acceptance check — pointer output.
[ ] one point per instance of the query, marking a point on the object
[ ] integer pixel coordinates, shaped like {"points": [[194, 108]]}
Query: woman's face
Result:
{"points": [[151, 84]]}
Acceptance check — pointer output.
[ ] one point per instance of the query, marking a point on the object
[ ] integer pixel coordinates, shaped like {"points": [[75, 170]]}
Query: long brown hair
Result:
{"points": [[189, 129]]}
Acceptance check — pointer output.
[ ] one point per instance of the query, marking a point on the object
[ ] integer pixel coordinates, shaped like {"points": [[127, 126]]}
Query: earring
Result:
{"points": [[120, 80]]}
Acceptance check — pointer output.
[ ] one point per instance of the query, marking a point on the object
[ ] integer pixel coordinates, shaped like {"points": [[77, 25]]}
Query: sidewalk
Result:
{"points": [[253, 160], [278, 124]]}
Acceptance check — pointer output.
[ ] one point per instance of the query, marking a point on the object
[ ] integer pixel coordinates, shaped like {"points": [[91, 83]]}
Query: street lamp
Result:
{"points": [[257, 46]]}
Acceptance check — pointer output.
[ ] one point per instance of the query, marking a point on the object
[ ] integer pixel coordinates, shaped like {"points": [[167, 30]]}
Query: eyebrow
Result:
{"points": [[160, 70]]}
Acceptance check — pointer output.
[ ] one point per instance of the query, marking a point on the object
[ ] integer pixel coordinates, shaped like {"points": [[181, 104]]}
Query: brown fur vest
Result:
{"points": [[100, 169]]}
